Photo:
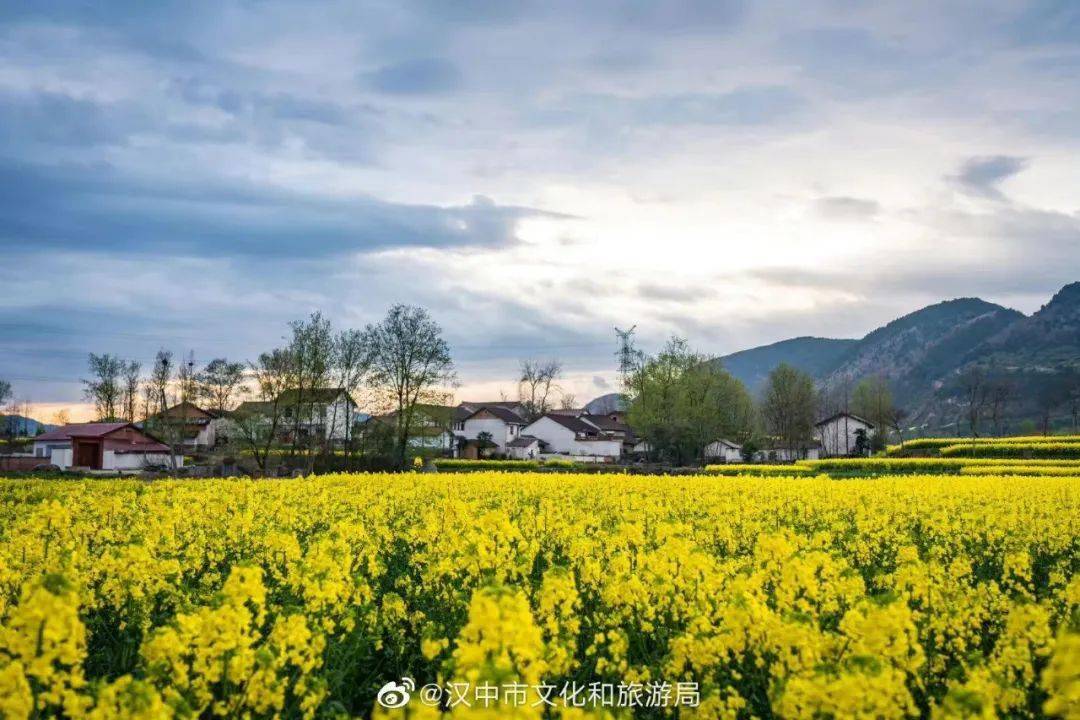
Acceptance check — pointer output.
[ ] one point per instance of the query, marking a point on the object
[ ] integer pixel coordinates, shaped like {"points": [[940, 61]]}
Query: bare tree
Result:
{"points": [[258, 428], [1000, 392], [158, 422], [130, 373], [535, 385], [568, 401], [351, 362], [1072, 396], [187, 378], [410, 362], [310, 349], [974, 391], [219, 382], [61, 417], [104, 388], [1048, 397]]}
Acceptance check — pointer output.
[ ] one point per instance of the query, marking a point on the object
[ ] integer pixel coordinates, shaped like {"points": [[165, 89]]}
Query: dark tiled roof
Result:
{"points": [[81, 430], [838, 415], [522, 441], [572, 423], [505, 414]]}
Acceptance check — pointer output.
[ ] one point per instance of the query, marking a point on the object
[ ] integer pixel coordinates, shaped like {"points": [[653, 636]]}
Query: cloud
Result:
{"points": [[423, 76], [983, 175], [99, 207], [846, 208]]}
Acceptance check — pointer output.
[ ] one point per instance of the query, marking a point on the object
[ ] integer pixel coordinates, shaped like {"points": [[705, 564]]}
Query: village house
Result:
{"points": [[495, 423], [569, 435], [323, 414], [524, 447], [429, 430], [104, 446], [723, 451], [193, 427], [838, 433]]}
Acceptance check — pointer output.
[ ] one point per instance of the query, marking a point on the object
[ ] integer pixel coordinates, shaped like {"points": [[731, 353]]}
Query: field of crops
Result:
{"points": [[703, 596]]}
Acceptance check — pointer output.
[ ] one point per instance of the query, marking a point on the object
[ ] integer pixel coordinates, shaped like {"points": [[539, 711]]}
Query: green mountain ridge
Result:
{"points": [[923, 353]]}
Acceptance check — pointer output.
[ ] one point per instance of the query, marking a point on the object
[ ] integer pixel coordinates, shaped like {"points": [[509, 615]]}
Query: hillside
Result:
{"points": [[924, 353], [813, 355]]}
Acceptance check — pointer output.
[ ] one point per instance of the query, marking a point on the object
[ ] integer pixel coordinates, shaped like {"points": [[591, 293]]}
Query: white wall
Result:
{"points": [[723, 452], [563, 440], [501, 432], [837, 437]]}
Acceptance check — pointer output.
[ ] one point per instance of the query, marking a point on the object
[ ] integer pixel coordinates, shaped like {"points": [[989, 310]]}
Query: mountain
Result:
{"points": [[22, 426], [813, 355], [606, 404], [921, 349], [923, 355], [1049, 338]]}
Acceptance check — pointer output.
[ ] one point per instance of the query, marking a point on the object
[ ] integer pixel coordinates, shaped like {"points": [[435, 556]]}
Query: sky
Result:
{"points": [[195, 175]]}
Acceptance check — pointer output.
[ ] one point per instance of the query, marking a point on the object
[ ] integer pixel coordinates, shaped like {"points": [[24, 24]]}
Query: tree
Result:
{"points": [[681, 401], [568, 401], [535, 385], [1049, 395], [187, 379], [104, 388], [351, 362], [1071, 386], [61, 417], [258, 428], [156, 396], [788, 406], [974, 392], [130, 379], [1000, 392], [410, 361], [310, 353], [219, 382], [872, 400]]}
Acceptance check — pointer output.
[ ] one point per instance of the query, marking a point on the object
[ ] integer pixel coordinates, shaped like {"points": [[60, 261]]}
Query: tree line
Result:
{"points": [[398, 364], [680, 401]]}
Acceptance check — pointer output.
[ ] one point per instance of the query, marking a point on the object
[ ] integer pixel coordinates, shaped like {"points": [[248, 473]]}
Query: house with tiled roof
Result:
{"points": [[104, 446], [477, 424], [194, 427], [570, 435]]}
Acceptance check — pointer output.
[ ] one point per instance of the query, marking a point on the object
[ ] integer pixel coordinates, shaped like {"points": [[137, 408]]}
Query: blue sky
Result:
{"points": [[194, 175]]}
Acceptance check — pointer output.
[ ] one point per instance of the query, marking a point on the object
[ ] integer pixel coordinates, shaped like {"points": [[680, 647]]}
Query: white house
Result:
{"points": [[104, 446], [781, 453], [568, 435], [524, 447], [429, 429], [324, 413], [500, 424], [194, 427], [723, 451], [837, 433]]}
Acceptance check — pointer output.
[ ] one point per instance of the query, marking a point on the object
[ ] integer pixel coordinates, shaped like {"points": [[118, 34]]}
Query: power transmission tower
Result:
{"points": [[629, 356]]}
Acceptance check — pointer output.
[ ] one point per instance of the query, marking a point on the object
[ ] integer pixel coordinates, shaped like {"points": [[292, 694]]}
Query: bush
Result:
{"points": [[458, 464], [1013, 450], [761, 470]]}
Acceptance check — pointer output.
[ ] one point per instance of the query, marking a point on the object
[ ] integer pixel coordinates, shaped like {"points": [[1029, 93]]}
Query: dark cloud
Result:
{"points": [[846, 208], [97, 206], [423, 76], [983, 175]]}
